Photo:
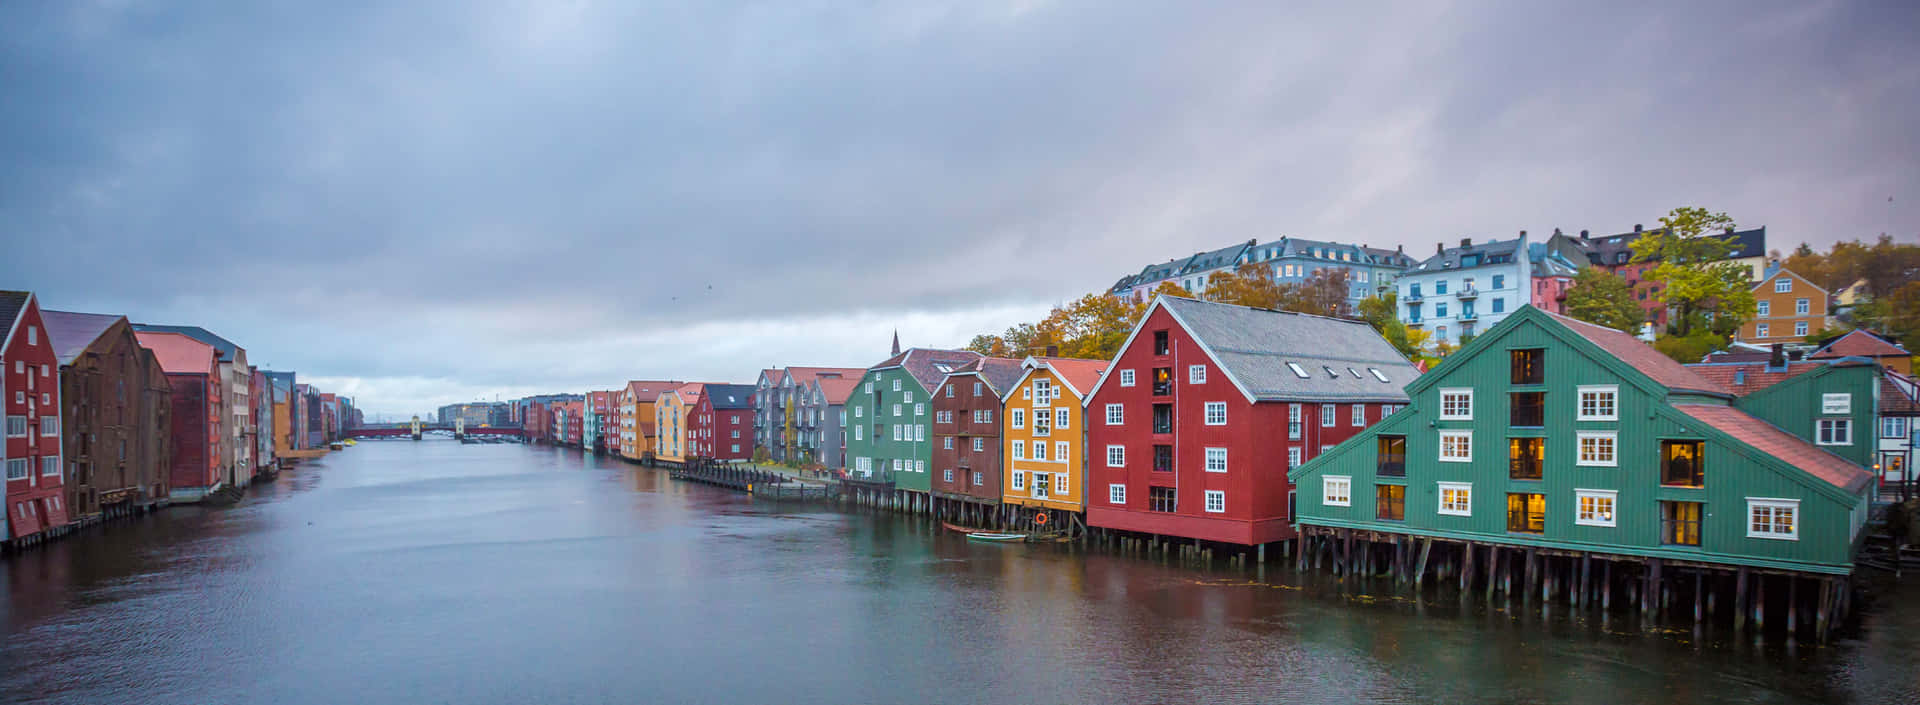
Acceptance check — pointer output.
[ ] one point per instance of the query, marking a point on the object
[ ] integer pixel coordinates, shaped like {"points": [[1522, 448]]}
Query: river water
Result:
{"points": [[436, 572]]}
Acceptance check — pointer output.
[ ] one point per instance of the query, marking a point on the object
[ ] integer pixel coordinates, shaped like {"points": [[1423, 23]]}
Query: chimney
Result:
{"points": [[1439, 248], [1636, 227], [1556, 232], [1399, 248], [1583, 234], [1778, 360], [1053, 351], [1466, 242]]}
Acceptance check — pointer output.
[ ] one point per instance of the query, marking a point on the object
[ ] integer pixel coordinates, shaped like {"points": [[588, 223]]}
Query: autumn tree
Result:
{"points": [[1383, 313], [1250, 284], [1700, 282], [1324, 293], [1602, 297]]}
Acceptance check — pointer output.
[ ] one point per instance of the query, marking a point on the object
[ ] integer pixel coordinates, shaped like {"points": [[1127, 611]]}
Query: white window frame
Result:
{"points": [[1762, 309], [1836, 403], [1441, 493], [1359, 415], [1761, 330], [1061, 452], [1774, 505], [1116, 493], [1116, 456], [1893, 427], [1126, 378], [49, 466], [1116, 414], [1843, 425], [1329, 415], [1295, 456], [1467, 393], [1612, 439], [1800, 328], [1060, 485], [979, 444], [1459, 433], [947, 443], [1019, 449], [1196, 374], [1609, 392], [1783, 285], [1213, 454], [896, 385], [1583, 518], [1020, 480], [1216, 501], [1342, 483], [1062, 417], [1018, 417], [1801, 307], [23, 473], [1040, 450], [1213, 406], [946, 475]]}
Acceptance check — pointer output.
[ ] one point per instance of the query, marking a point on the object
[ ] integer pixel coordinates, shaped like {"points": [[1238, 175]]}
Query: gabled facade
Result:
{"points": [[1460, 291], [966, 430], [783, 409], [1898, 431], [1056, 388], [35, 497], [1551, 433], [1861, 343], [721, 423], [1787, 307], [114, 437], [193, 378], [234, 385], [889, 417], [820, 421], [673, 441], [636, 434], [766, 419], [1213, 402]]}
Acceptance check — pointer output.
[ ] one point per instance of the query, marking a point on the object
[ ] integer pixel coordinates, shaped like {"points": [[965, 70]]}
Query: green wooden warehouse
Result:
{"points": [[1557, 457], [889, 442]]}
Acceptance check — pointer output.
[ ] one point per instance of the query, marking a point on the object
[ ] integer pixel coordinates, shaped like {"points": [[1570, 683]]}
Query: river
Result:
{"points": [[436, 572]]}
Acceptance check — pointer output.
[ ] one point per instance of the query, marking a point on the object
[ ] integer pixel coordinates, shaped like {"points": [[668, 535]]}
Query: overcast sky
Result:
{"points": [[417, 203]]}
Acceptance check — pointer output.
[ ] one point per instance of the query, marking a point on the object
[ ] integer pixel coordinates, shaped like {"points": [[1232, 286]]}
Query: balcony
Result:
{"points": [[1469, 316], [1413, 296], [1468, 293]]}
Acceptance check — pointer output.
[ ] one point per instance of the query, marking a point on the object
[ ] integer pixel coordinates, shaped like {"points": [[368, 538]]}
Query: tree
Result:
{"points": [[1324, 293], [1249, 284], [1694, 267], [1171, 289], [1690, 348], [1896, 315], [1382, 311], [988, 344], [1601, 297]]}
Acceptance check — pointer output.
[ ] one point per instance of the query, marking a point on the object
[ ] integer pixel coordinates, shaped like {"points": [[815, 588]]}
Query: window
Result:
{"points": [[1336, 491], [1216, 460], [1196, 374], [1116, 414], [16, 426], [1160, 342], [1042, 392], [1440, 308], [1060, 418], [1526, 512], [1161, 499], [1298, 371], [1680, 523], [1359, 415], [1836, 403], [1440, 287], [1042, 422], [1162, 381], [1440, 333], [1527, 366], [17, 469], [948, 442], [49, 465], [1456, 404], [1293, 457], [1527, 409], [1060, 484], [896, 432], [1392, 451], [1833, 432], [1126, 379], [1019, 450], [858, 433], [946, 475], [1390, 502], [1377, 374], [1116, 494], [1597, 449], [1800, 307], [33, 335], [977, 389], [979, 479], [1216, 501], [859, 412], [1019, 480], [1800, 328], [1060, 451], [1681, 463], [919, 409], [1599, 402], [1163, 458], [1039, 450], [1782, 285], [1773, 519], [1456, 498], [949, 391], [1216, 413], [1893, 427], [1593, 507], [1328, 415], [920, 432], [1456, 446], [896, 409], [1762, 309], [1116, 456], [1526, 457], [1293, 422], [896, 385], [1760, 330], [1018, 417], [979, 445]]}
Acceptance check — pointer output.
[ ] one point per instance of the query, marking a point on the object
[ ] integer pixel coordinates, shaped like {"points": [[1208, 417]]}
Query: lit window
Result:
{"points": [[1216, 460], [1593, 507], [1039, 450], [1456, 446], [1456, 498], [1599, 402], [1800, 328], [1336, 491], [1456, 404], [1597, 449], [1216, 413], [1773, 519]]}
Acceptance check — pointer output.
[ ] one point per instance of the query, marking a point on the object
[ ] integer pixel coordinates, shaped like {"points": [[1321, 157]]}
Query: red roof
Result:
{"points": [[1859, 343], [689, 393], [838, 389], [1897, 394], [1748, 377], [1642, 357], [1078, 373], [803, 375], [1769, 439], [647, 391], [178, 354]]}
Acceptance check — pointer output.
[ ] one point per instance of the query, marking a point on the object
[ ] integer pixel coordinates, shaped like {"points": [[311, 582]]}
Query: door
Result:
{"points": [[1040, 482]]}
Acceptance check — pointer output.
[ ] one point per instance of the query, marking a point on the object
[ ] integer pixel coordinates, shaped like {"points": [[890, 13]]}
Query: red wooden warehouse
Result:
{"points": [[192, 370], [32, 449], [721, 424], [1191, 430], [966, 430]]}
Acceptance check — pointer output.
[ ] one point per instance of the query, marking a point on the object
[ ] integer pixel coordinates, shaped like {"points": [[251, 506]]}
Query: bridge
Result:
{"points": [[416, 428]]}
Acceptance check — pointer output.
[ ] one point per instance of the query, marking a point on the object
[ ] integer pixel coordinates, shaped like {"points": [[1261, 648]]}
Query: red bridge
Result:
{"points": [[407, 431]]}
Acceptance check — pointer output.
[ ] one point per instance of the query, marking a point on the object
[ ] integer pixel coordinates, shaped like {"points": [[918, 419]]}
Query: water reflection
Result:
{"points": [[426, 572]]}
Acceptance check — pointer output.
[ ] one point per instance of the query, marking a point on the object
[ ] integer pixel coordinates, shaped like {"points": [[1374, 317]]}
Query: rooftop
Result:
{"points": [[1280, 355]]}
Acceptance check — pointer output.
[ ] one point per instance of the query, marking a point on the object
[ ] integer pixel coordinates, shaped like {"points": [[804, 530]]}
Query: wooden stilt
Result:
{"points": [[1506, 576], [1760, 602], [1740, 599], [1586, 573], [1698, 587], [1526, 585], [1420, 571], [1466, 568], [1606, 586], [1820, 613], [1793, 605]]}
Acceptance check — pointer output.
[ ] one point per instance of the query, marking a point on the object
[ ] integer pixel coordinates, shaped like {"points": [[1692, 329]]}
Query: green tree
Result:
{"points": [[1382, 312], [1602, 297], [1690, 348], [1700, 282]]}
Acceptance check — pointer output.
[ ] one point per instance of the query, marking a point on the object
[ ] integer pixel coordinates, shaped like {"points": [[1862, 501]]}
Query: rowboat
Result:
{"points": [[999, 538]]}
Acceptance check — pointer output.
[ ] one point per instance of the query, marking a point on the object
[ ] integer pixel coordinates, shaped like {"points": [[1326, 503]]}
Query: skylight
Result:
{"points": [[1330, 372], [1355, 373], [1295, 366], [943, 367], [1376, 374]]}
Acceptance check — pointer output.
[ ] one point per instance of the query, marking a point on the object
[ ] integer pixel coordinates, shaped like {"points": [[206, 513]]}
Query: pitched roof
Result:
{"points": [[1255, 347], [1743, 378], [1858, 343], [1769, 439], [999, 373], [803, 375], [11, 304], [72, 333], [837, 389], [1080, 375], [648, 390], [927, 365], [730, 396], [178, 354], [688, 393], [1641, 356], [1490, 252], [222, 346], [1899, 394]]}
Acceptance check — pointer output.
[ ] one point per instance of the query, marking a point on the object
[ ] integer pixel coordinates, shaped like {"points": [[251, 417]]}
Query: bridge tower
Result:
{"points": [[459, 428], [416, 428]]}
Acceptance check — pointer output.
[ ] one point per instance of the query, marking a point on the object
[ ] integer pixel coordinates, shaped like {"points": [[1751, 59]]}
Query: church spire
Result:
{"points": [[896, 341]]}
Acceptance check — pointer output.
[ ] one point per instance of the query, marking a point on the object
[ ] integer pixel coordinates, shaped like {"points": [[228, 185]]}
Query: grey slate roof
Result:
{"points": [[998, 372], [11, 304], [730, 396], [925, 364], [1254, 346], [1449, 258], [221, 346], [70, 333]]}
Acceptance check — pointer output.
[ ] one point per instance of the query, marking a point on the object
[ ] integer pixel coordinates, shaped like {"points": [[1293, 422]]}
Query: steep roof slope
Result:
{"points": [[928, 365], [999, 373], [222, 347], [730, 396], [1079, 374], [1259, 348], [1858, 343], [178, 354], [1770, 439], [71, 333], [837, 389], [1642, 357], [11, 304]]}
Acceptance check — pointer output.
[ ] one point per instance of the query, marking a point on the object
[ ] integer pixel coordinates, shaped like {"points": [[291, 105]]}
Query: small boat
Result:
{"points": [[999, 538]]}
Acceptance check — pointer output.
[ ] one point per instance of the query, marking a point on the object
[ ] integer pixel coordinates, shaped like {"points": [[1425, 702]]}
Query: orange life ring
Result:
{"points": [[1040, 519]]}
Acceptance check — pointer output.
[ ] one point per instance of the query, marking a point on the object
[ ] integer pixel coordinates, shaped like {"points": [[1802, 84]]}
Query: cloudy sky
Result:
{"points": [[424, 202]]}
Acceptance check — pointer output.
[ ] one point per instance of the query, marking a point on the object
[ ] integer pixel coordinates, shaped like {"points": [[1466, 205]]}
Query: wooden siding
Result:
{"points": [[876, 420], [1794, 404], [1074, 467], [962, 460], [1733, 470]]}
